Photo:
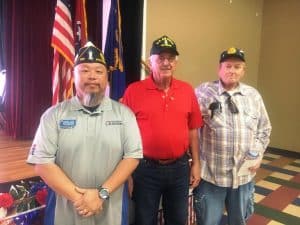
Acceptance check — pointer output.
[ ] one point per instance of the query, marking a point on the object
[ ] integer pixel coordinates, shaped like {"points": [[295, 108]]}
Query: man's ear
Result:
{"points": [[244, 68], [148, 62]]}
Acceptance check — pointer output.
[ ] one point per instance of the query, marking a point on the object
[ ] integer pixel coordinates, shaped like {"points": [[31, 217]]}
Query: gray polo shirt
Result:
{"points": [[87, 146]]}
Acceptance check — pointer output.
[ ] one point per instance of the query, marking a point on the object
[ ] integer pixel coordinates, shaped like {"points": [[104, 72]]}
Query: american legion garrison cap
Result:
{"points": [[232, 53], [89, 53], [163, 44]]}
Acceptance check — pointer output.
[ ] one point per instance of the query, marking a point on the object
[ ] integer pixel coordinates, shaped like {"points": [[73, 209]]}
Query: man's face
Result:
{"points": [[163, 65], [90, 78], [231, 71]]}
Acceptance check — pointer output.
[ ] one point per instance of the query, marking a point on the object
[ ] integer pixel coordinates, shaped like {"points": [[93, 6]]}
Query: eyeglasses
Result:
{"points": [[161, 59], [232, 106]]}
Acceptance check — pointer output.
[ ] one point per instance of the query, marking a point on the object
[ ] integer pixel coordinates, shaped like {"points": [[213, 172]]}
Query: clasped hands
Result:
{"points": [[88, 202]]}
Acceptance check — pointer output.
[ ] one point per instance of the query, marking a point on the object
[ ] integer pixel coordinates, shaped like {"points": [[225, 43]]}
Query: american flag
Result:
{"points": [[81, 25], [64, 52]]}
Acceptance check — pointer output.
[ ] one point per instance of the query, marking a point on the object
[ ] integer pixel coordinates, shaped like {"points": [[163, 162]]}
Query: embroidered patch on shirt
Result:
{"points": [[113, 122], [67, 124]]}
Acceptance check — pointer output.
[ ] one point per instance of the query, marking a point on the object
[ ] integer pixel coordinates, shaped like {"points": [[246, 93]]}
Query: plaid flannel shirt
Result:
{"points": [[225, 137]]}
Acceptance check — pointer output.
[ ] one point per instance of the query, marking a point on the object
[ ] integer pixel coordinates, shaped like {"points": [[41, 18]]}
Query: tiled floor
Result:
{"points": [[277, 193]]}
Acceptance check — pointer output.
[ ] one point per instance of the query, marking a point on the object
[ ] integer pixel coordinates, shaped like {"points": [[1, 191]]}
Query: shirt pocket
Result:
{"points": [[251, 119]]}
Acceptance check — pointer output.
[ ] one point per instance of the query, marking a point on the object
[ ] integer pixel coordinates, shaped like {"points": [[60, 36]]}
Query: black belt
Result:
{"points": [[164, 161]]}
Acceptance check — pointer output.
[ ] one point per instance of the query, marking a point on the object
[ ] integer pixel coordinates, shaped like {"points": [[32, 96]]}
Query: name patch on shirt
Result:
{"points": [[113, 122], [67, 124]]}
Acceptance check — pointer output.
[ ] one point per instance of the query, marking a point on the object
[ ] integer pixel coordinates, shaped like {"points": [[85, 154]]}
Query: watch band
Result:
{"points": [[103, 193]]}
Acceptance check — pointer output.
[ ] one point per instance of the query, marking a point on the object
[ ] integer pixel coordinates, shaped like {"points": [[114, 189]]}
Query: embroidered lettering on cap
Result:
{"points": [[67, 124], [113, 122]]}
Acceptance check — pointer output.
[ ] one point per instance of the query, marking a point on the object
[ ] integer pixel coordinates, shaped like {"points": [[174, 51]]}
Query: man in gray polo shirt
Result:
{"points": [[86, 147]]}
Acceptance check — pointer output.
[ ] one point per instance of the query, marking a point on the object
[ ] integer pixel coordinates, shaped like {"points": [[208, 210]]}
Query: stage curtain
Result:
{"points": [[3, 18], [29, 64]]}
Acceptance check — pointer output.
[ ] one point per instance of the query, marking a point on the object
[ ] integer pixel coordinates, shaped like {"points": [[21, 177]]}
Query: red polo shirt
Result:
{"points": [[164, 119]]}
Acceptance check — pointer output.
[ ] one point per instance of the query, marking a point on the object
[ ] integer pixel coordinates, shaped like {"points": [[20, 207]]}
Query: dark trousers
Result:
{"points": [[153, 181]]}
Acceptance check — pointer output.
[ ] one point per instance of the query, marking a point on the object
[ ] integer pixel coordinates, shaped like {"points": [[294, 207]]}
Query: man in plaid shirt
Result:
{"points": [[233, 139]]}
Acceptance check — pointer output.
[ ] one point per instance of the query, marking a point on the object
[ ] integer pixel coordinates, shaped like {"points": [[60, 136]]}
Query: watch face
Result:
{"points": [[103, 193]]}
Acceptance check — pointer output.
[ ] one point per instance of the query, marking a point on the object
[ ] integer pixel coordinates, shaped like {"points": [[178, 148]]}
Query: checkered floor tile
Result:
{"points": [[277, 192]]}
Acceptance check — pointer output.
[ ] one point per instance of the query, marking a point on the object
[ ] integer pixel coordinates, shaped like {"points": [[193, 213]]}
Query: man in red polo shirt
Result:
{"points": [[168, 116]]}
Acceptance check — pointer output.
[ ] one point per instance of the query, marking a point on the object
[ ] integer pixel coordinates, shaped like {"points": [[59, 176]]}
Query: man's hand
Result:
{"points": [[254, 168], [90, 203], [195, 175]]}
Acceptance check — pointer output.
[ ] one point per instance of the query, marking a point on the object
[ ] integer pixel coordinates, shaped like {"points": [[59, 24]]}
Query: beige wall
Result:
{"points": [[267, 30], [202, 29], [279, 76]]}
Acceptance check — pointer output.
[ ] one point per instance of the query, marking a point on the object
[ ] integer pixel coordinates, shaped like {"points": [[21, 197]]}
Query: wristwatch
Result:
{"points": [[103, 193]]}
